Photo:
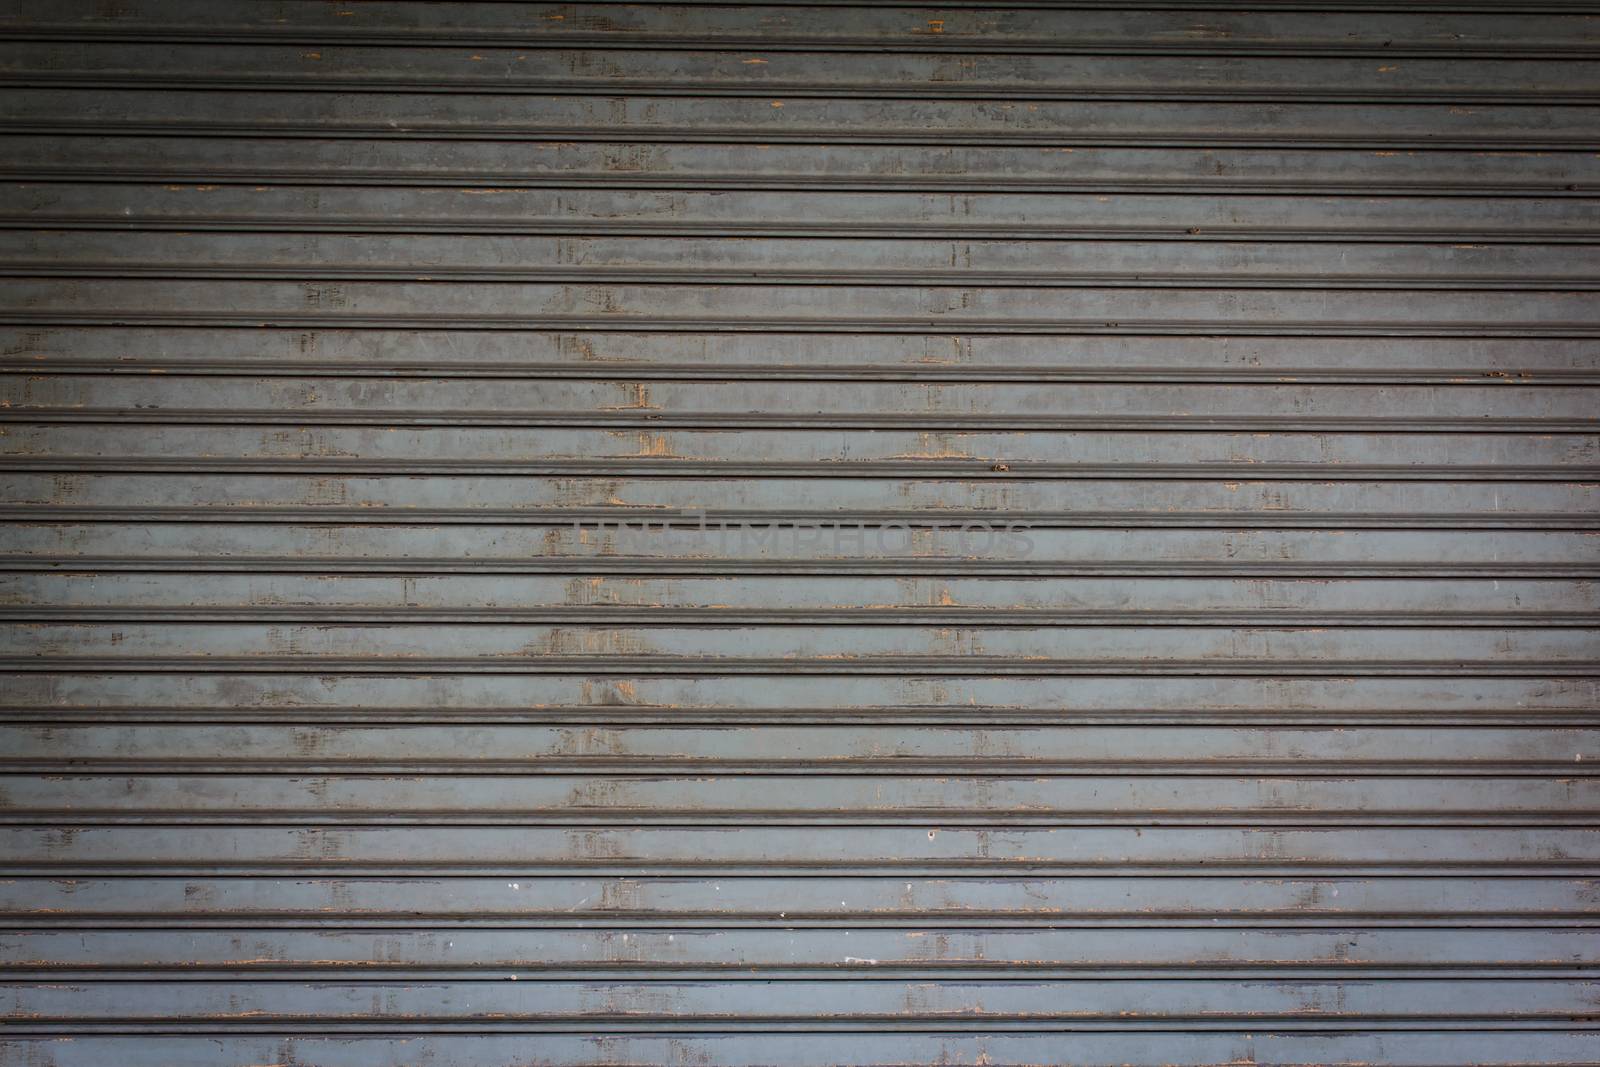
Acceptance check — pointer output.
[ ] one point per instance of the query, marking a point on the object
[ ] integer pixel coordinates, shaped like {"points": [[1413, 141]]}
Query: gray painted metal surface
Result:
{"points": [[799, 534]]}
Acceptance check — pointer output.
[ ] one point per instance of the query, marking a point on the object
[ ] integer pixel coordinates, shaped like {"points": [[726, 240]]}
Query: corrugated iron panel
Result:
{"points": [[799, 534]]}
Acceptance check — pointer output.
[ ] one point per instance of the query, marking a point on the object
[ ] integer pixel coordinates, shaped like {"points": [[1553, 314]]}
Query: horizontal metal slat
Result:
{"points": [[823, 25], [998, 848], [833, 309], [85, 1007], [597, 600], [1483, 406], [920, 168], [714, 119], [792, 452], [768, 261], [330, 698], [106, 64], [933, 357], [602, 746], [1421, 1047], [91, 595], [534, 953], [850, 516], [1161, 901], [590, 211], [542, 353], [760, 801], [1437, 650], [420, 549]]}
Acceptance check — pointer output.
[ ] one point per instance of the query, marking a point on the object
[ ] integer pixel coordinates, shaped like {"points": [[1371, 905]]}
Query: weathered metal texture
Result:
{"points": [[799, 534]]}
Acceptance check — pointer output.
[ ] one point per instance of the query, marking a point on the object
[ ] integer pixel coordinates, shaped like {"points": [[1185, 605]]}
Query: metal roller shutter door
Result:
{"points": [[798, 534]]}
